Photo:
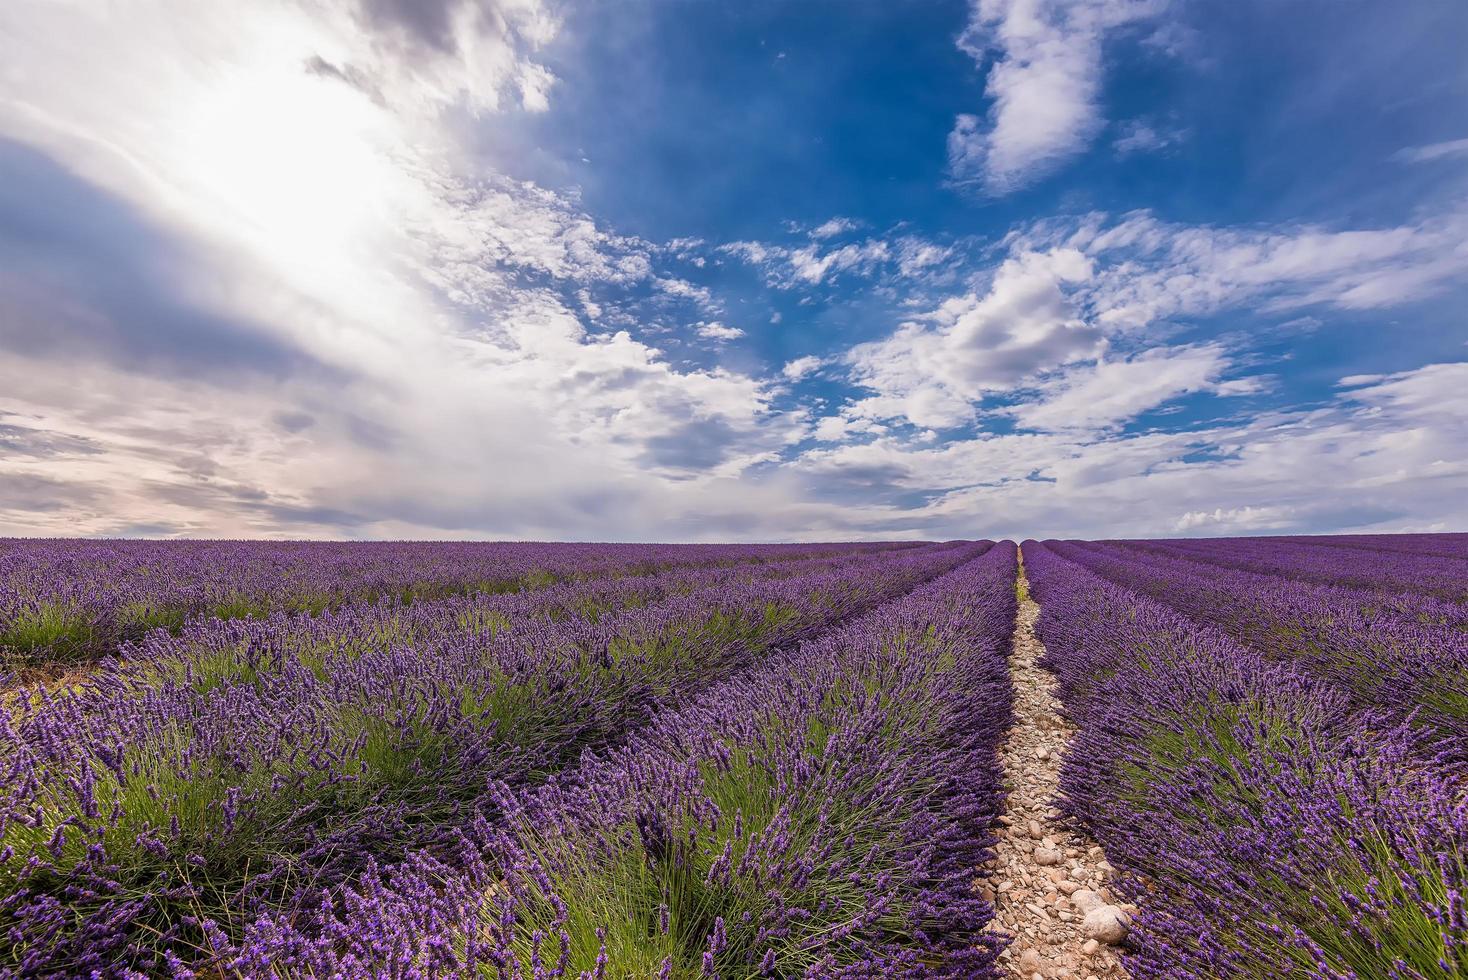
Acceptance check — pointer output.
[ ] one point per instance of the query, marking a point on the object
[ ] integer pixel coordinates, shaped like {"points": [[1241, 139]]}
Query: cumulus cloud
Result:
{"points": [[801, 367], [932, 370], [714, 330], [1044, 84]]}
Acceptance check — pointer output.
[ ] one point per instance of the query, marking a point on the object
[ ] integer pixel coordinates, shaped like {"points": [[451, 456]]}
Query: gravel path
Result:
{"points": [[1050, 880]]}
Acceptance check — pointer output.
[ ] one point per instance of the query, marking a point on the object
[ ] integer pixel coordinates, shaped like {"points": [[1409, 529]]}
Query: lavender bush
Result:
{"points": [[243, 765], [723, 762], [1325, 563], [1442, 545], [1406, 655], [71, 600], [821, 816], [1266, 825]]}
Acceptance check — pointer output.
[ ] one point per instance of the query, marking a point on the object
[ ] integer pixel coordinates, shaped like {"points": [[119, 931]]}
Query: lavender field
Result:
{"points": [[260, 760]]}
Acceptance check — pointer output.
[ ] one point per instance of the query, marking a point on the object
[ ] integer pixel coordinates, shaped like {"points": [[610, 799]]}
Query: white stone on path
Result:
{"points": [[1107, 924]]}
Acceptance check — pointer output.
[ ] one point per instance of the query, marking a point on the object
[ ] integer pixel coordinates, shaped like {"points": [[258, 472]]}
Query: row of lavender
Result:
{"points": [[67, 600], [1404, 654], [820, 816], [239, 767], [1446, 545], [1326, 561], [211, 650], [1273, 813]]}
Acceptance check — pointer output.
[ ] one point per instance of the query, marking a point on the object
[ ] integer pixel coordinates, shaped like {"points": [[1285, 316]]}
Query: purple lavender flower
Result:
{"points": [[1268, 819]]}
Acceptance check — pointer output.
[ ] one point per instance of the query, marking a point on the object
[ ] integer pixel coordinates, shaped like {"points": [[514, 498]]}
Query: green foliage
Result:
{"points": [[622, 883], [212, 847], [52, 632], [138, 619]]}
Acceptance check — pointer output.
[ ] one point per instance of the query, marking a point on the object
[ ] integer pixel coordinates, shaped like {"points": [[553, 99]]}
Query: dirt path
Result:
{"points": [[1047, 876]]}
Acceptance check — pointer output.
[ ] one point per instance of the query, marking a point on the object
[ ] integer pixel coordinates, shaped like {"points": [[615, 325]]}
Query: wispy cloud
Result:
{"points": [[833, 227], [1432, 151], [1112, 392], [812, 265], [1388, 451], [1138, 136], [1152, 269], [897, 254]]}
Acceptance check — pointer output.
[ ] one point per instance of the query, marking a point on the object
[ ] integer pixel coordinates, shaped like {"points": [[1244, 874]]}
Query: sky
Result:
{"points": [[693, 270]]}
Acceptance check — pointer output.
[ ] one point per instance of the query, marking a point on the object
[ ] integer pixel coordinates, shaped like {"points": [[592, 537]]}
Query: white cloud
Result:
{"points": [[1437, 391], [1432, 151], [1388, 452], [755, 253], [801, 367], [1137, 136], [1071, 288], [1240, 387], [836, 428], [713, 330], [833, 428], [1234, 520], [686, 290], [591, 308], [932, 370], [1111, 392], [1148, 270], [812, 266], [1044, 83], [882, 258], [915, 256], [832, 228]]}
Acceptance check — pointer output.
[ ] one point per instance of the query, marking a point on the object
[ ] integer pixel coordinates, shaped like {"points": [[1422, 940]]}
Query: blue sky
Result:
{"points": [[691, 270]]}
